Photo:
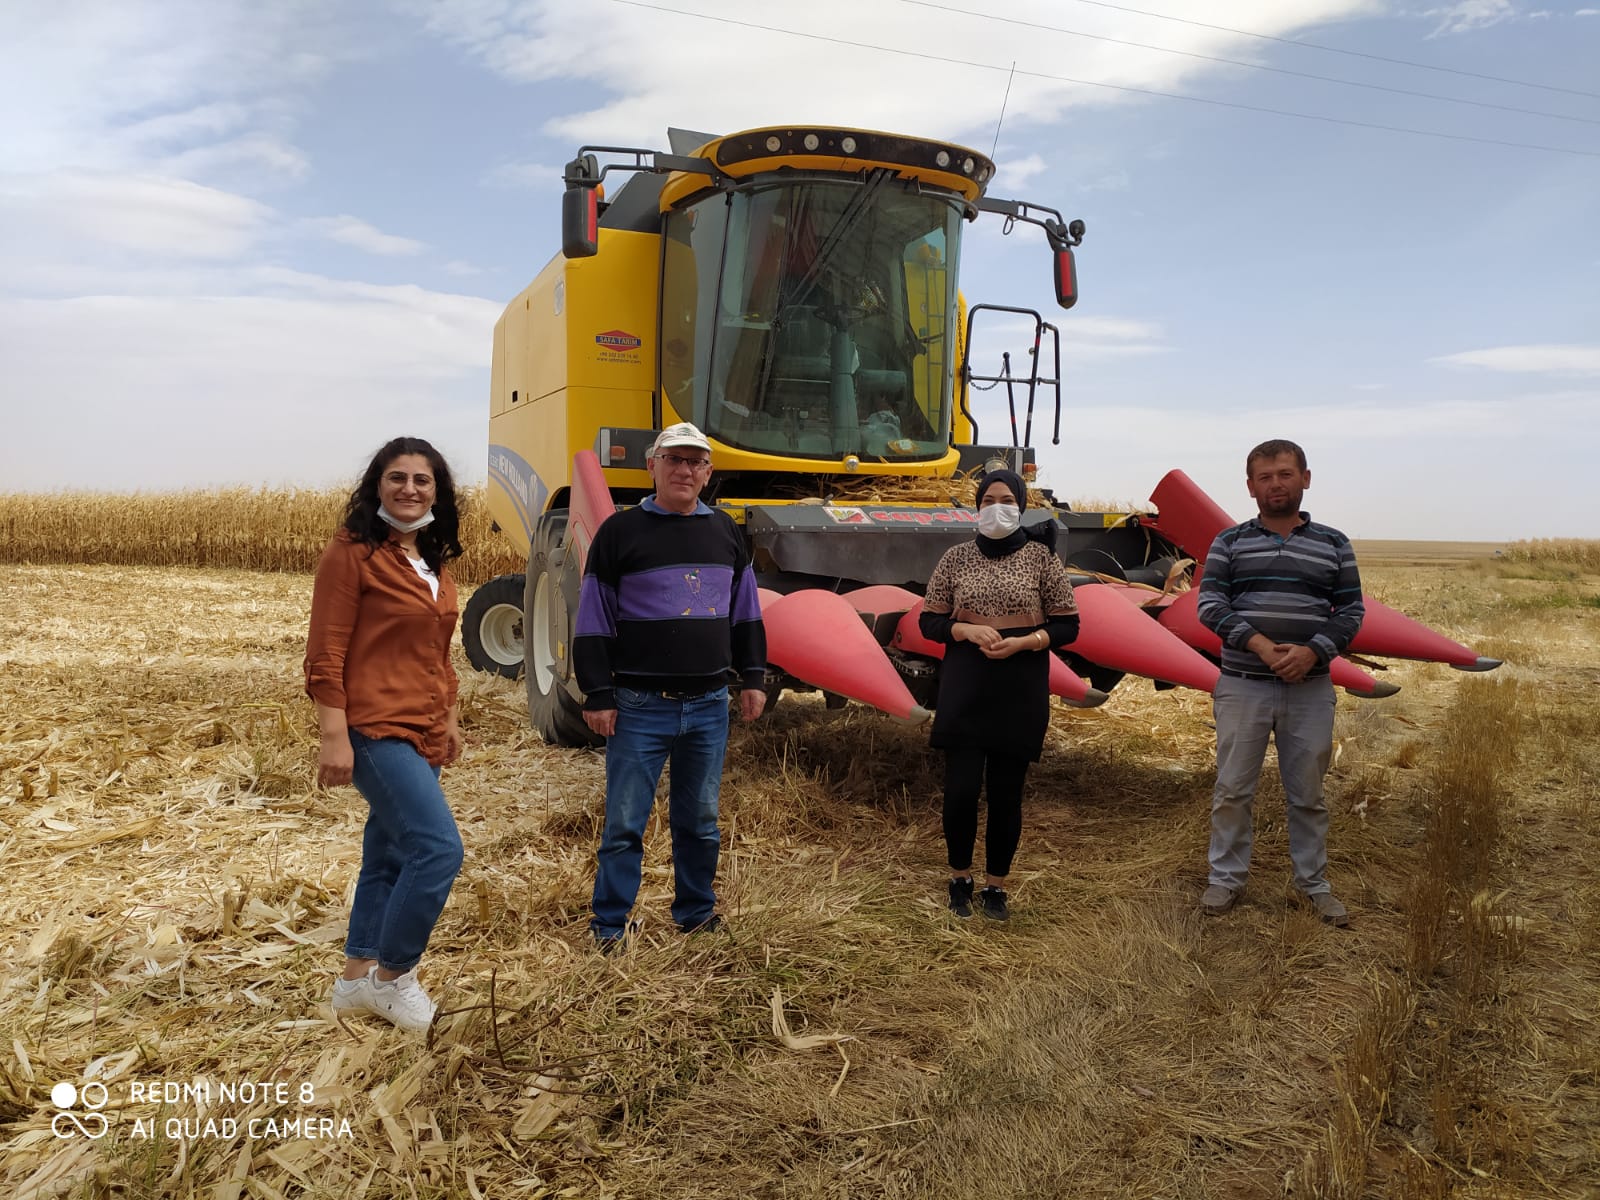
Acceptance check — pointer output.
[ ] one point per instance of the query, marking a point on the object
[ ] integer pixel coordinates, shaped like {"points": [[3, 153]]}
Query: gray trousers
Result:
{"points": [[1299, 717]]}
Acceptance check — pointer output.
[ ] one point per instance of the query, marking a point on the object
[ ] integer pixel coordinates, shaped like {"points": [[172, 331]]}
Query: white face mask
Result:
{"points": [[999, 520], [405, 526]]}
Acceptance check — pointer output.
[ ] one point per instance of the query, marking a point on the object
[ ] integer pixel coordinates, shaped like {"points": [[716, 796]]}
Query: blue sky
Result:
{"points": [[245, 243]]}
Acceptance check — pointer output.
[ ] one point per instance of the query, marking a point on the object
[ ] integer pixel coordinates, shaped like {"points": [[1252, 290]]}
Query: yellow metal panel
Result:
{"points": [[540, 346], [611, 307], [497, 370]]}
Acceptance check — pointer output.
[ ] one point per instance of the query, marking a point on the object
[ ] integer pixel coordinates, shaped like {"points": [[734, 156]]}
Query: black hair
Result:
{"points": [[437, 542]]}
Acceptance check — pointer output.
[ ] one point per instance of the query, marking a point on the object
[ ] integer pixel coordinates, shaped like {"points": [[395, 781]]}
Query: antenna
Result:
{"points": [[1006, 99]]}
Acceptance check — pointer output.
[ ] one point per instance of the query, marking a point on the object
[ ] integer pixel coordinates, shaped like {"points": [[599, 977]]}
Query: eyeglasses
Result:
{"points": [[674, 461], [399, 479]]}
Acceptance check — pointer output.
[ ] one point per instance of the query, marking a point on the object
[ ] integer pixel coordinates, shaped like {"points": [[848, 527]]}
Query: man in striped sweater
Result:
{"points": [[668, 607], [1283, 594]]}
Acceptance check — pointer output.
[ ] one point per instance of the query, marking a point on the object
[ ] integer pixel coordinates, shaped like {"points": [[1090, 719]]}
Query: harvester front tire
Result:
{"points": [[548, 615], [491, 626]]}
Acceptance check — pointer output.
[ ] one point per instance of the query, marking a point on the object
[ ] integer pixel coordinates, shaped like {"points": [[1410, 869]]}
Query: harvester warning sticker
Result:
{"points": [[847, 516], [618, 345]]}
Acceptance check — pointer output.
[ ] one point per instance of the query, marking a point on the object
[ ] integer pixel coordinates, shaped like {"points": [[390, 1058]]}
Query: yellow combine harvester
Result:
{"points": [[793, 292]]}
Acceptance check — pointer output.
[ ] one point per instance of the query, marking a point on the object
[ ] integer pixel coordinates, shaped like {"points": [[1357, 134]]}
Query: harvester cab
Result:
{"points": [[793, 292]]}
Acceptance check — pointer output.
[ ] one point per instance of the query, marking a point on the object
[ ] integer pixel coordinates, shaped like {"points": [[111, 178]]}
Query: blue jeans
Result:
{"points": [[410, 853], [650, 730], [1299, 718]]}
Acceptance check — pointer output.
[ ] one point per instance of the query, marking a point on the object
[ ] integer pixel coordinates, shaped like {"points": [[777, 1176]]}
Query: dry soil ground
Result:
{"points": [[175, 891]]}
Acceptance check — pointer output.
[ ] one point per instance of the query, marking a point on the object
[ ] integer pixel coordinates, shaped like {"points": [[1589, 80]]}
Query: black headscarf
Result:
{"points": [[1042, 531]]}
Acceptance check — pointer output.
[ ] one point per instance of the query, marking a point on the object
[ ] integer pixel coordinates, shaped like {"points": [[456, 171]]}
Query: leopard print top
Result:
{"points": [[1021, 589]]}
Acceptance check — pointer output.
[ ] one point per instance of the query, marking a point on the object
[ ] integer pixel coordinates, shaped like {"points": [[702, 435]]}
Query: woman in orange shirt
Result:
{"points": [[378, 666]]}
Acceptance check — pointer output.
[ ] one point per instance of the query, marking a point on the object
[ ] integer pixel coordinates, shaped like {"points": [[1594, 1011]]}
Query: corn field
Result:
{"points": [[264, 529], [1583, 553]]}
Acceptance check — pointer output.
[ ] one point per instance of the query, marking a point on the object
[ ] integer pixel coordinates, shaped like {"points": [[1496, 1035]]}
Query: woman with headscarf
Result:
{"points": [[1001, 603]]}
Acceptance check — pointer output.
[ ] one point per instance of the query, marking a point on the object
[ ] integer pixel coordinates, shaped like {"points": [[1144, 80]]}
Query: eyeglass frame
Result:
{"points": [[674, 461]]}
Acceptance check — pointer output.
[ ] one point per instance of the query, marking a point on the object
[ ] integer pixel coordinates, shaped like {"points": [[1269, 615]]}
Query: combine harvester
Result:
{"points": [[793, 292]]}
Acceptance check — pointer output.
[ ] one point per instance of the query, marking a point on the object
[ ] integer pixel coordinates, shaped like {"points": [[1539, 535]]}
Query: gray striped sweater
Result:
{"points": [[1303, 589]]}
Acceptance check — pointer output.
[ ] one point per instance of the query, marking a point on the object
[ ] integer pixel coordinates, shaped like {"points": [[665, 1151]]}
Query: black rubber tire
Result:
{"points": [[491, 626], [550, 605]]}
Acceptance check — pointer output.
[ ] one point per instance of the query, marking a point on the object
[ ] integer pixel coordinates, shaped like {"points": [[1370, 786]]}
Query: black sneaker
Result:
{"points": [[961, 897], [712, 924], [992, 901], [610, 943]]}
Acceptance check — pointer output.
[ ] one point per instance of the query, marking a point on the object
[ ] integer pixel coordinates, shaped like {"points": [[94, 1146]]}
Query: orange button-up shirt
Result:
{"points": [[379, 646]]}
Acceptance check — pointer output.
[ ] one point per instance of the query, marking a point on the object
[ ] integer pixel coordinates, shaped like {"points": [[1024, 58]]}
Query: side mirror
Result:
{"points": [[1066, 272], [580, 221]]}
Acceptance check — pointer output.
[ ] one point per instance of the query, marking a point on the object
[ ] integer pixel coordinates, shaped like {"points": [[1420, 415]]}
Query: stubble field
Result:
{"points": [[176, 889]]}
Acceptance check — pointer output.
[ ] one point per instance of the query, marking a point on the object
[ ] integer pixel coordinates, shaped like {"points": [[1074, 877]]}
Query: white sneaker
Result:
{"points": [[402, 1001], [353, 995]]}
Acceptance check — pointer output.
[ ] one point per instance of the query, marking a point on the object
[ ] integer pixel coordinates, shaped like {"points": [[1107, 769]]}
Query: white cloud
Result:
{"points": [[74, 73], [1084, 339], [1355, 450], [275, 157], [1469, 15], [619, 46], [1012, 174], [71, 213], [535, 176], [1542, 359], [352, 231], [1110, 181], [291, 386]]}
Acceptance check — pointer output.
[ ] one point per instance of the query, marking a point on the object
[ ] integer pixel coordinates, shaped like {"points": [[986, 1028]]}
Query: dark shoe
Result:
{"points": [[1217, 899], [961, 897], [606, 943], [712, 924], [992, 901], [1329, 909]]}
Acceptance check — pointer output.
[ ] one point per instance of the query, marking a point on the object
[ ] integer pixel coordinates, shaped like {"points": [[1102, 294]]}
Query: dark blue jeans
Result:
{"points": [[410, 853], [651, 729]]}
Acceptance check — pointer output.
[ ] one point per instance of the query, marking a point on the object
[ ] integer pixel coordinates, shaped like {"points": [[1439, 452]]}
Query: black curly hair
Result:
{"points": [[437, 542]]}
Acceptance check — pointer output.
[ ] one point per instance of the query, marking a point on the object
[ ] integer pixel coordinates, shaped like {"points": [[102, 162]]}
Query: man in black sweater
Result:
{"points": [[668, 607]]}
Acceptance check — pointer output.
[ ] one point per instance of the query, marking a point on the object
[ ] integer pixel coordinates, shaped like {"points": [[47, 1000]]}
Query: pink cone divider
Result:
{"points": [[1392, 634], [1114, 632], [818, 637], [591, 503], [1188, 517]]}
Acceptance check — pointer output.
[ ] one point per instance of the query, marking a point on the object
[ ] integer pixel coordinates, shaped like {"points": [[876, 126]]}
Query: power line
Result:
{"points": [[1283, 41], [1234, 62], [1115, 87], [1004, 100]]}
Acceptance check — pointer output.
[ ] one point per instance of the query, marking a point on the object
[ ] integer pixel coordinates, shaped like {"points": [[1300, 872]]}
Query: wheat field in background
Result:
{"points": [[252, 529]]}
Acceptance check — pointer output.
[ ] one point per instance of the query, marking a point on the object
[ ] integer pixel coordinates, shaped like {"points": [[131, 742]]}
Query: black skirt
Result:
{"points": [[993, 704]]}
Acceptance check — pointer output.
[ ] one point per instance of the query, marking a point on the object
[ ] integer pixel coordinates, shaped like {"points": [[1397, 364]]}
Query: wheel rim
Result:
{"points": [[543, 658], [500, 634]]}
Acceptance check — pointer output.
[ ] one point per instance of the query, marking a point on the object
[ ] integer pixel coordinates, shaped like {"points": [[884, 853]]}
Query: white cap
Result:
{"points": [[681, 434]]}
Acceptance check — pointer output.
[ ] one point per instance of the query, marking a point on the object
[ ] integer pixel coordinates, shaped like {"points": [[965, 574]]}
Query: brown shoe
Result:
{"points": [[1216, 899]]}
